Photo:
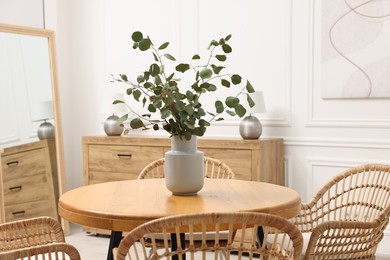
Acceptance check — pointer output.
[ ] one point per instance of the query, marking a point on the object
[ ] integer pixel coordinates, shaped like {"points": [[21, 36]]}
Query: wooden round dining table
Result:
{"points": [[123, 205]]}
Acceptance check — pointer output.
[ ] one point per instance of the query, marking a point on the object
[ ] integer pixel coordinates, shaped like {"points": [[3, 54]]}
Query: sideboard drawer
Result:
{"points": [[31, 188], [238, 160], [23, 164], [29, 210], [121, 159]]}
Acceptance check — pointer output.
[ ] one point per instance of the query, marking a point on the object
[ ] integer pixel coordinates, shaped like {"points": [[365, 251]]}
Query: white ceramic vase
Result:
{"points": [[184, 167]]}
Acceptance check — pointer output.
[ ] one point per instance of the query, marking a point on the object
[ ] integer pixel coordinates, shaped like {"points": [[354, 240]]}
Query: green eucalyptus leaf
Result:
{"points": [[151, 108], [123, 77], [199, 131], [232, 102], [145, 44], [136, 94], [251, 103], [200, 112], [189, 95], [196, 57], [219, 106], [212, 87], [231, 113], [136, 123], [206, 74], [165, 113], [137, 36], [135, 45], [197, 76], [117, 101], [156, 127], [228, 37], [217, 69], [240, 110], [169, 57], [155, 57], [170, 76], [189, 109], [140, 79], [146, 115], [129, 91], [146, 75], [182, 67], [148, 85], [249, 87], [154, 70], [226, 48], [213, 43], [236, 79], [205, 85], [225, 83], [187, 136], [189, 125], [123, 118], [163, 46], [220, 57], [203, 122], [221, 41], [143, 102], [219, 119]]}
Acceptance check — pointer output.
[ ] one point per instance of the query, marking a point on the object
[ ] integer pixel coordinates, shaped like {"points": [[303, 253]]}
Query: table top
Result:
{"points": [[123, 205]]}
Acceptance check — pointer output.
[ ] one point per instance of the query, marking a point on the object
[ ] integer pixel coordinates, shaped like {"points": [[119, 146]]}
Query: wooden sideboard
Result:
{"points": [[113, 158], [27, 183]]}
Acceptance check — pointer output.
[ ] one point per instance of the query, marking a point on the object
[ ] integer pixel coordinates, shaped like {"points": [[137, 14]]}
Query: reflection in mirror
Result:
{"points": [[32, 171]]}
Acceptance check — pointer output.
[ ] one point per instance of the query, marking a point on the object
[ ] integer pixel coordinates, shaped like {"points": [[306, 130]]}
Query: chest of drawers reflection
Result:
{"points": [[29, 188]]}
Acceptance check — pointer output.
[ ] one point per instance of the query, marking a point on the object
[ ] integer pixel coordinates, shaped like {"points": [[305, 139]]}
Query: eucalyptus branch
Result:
{"points": [[182, 113]]}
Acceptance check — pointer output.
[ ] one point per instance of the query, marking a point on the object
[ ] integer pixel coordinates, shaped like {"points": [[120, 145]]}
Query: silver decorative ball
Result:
{"points": [[46, 131], [112, 127], [250, 128]]}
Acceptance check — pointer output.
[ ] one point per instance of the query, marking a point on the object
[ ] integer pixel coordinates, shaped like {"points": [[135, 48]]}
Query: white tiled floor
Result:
{"points": [[92, 247]]}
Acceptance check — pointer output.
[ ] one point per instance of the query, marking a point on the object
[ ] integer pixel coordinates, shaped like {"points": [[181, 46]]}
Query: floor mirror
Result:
{"points": [[32, 160]]}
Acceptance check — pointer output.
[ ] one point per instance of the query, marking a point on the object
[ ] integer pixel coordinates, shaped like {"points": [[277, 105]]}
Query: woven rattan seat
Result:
{"points": [[35, 238], [287, 242], [347, 216], [213, 168]]}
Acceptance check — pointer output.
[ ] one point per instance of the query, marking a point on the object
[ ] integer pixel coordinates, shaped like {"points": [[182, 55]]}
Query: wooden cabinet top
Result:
{"points": [[166, 141], [25, 147]]}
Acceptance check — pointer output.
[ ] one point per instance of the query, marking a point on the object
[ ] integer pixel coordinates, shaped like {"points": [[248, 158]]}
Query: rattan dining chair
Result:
{"points": [[35, 238], [286, 242], [213, 168], [347, 216]]}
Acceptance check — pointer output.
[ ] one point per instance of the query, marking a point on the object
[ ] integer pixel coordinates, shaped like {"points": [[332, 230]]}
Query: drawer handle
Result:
{"points": [[18, 213], [13, 163], [123, 155], [16, 188]]}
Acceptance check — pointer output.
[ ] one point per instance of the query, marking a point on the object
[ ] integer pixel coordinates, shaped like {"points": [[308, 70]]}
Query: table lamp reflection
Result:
{"points": [[43, 111], [250, 127]]}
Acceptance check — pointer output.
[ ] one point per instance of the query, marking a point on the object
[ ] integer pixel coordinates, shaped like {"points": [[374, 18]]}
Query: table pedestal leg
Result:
{"points": [[174, 245], [115, 239], [260, 236]]}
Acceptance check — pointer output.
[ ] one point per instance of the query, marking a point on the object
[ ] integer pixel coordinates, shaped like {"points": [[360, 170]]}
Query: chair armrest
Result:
{"points": [[30, 232], [56, 250], [348, 238]]}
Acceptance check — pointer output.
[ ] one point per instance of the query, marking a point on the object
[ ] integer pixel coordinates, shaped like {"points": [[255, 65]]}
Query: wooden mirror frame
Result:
{"points": [[49, 34]]}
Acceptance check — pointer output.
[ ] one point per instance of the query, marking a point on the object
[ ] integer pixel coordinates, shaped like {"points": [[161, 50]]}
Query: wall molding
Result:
{"points": [[338, 143]]}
